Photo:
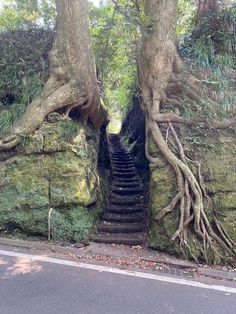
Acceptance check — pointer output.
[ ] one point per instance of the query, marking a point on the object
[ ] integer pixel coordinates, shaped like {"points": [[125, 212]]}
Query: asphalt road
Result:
{"points": [[32, 286]]}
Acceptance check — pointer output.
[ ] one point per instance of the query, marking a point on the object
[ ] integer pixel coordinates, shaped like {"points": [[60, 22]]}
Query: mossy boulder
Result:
{"points": [[56, 167], [217, 157]]}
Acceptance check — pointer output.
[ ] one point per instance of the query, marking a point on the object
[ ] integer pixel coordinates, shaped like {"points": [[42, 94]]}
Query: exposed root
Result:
{"points": [[65, 96], [190, 197], [9, 142], [170, 207], [165, 83]]}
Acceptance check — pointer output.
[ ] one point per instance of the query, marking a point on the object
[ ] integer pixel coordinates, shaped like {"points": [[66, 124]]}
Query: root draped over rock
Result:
{"points": [[165, 83]]}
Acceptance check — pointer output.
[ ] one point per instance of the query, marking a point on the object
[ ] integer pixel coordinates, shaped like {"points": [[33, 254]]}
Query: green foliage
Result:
{"points": [[6, 120], [115, 38], [9, 114], [23, 67], [211, 48], [12, 19], [14, 16], [213, 43], [47, 11], [186, 16]]}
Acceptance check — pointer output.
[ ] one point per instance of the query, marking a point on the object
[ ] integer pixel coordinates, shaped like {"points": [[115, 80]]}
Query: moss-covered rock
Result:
{"points": [[74, 225], [161, 191], [56, 167], [217, 157]]}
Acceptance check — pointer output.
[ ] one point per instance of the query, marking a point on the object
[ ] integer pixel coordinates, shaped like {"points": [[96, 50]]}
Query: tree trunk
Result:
{"points": [[72, 81], [164, 82], [204, 7]]}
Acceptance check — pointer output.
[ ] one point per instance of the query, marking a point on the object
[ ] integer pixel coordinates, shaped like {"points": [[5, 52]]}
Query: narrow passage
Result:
{"points": [[124, 219]]}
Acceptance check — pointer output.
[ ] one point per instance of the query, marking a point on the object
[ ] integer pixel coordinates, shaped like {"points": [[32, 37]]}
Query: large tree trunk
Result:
{"points": [[165, 85], [204, 7], [72, 81]]}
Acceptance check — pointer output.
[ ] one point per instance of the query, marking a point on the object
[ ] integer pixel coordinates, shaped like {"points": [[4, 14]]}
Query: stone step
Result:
{"points": [[126, 170], [122, 175], [117, 168], [128, 180], [121, 184], [122, 202], [122, 164], [129, 170], [126, 198], [120, 153], [120, 238], [125, 216], [120, 150], [121, 160], [136, 217], [126, 191], [116, 227], [119, 209]]}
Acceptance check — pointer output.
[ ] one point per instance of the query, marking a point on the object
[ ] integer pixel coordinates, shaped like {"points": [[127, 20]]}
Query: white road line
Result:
{"points": [[179, 281]]}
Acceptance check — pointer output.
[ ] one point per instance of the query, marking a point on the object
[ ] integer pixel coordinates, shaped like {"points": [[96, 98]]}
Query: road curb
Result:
{"points": [[38, 245], [218, 274], [201, 270]]}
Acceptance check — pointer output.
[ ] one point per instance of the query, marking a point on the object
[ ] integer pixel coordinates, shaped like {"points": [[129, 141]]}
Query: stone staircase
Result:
{"points": [[125, 218]]}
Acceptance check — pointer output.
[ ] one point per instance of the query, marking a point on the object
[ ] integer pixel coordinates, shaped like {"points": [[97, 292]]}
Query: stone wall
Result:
{"points": [[56, 168]]}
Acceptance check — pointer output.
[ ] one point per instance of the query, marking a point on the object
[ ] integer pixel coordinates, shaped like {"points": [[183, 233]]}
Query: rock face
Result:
{"points": [[56, 168], [216, 152]]}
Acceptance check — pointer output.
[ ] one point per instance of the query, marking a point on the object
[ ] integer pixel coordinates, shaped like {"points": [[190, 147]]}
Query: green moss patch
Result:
{"points": [[56, 167]]}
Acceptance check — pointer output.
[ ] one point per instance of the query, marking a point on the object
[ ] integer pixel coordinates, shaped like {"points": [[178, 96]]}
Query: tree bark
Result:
{"points": [[206, 6], [72, 81]]}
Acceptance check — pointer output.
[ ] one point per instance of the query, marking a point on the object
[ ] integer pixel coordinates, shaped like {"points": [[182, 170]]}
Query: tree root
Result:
{"points": [[166, 83], [9, 142], [63, 96], [190, 196]]}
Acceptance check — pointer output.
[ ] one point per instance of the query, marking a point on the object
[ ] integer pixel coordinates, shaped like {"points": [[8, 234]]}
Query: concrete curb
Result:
{"points": [[201, 270], [218, 274], [38, 245]]}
